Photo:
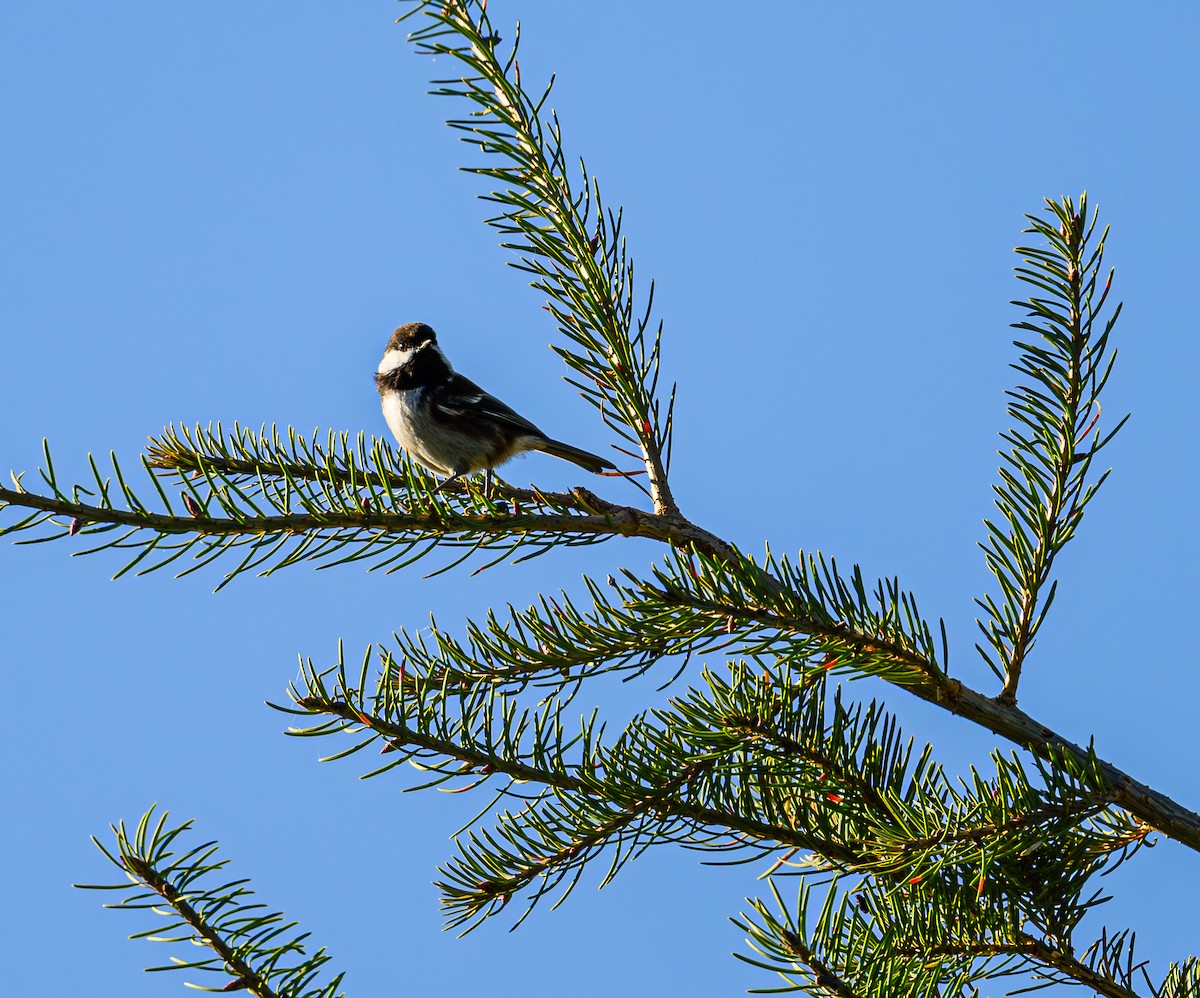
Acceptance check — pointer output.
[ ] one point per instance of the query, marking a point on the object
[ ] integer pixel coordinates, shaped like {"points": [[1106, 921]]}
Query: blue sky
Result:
{"points": [[219, 213]]}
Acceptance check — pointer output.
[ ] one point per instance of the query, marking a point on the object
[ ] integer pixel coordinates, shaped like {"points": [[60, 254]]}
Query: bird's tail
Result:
{"points": [[582, 458]]}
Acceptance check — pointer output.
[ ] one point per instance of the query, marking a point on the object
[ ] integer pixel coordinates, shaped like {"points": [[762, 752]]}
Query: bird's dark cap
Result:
{"points": [[411, 335]]}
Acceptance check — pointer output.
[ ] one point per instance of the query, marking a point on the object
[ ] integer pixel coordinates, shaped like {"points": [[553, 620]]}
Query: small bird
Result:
{"points": [[447, 422]]}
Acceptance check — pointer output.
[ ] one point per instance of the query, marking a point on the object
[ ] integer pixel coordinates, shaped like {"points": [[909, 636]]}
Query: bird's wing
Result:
{"points": [[461, 398]]}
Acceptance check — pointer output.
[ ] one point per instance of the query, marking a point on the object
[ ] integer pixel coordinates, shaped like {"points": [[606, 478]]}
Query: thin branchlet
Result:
{"points": [[1046, 480]]}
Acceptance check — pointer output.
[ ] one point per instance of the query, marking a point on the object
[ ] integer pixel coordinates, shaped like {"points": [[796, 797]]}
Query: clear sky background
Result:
{"points": [[219, 212]]}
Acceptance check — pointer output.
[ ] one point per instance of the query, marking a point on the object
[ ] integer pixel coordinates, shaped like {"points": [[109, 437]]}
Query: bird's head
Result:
{"points": [[405, 343]]}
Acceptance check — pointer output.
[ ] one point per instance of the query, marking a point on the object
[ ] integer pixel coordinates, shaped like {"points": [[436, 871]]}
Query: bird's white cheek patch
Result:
{"points": [[394, 359]]}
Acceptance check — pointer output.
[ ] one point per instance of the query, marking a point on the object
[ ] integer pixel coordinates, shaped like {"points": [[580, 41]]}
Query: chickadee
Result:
{"points": [[448, 423]]}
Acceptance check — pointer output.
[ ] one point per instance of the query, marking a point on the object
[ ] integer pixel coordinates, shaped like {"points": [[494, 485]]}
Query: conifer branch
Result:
{"points": [[1182, 980], [707, 766], [876, 644], [883, 943], [415, 743], [1072, 971], [250, 945], [551, 842], [840, 945], [1045, 483], [1112, 957], [1057, 965]]}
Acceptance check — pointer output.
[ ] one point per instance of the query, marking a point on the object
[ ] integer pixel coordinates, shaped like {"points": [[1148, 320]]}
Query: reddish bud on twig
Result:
{"points": [[74, 526], [193, 507]]}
